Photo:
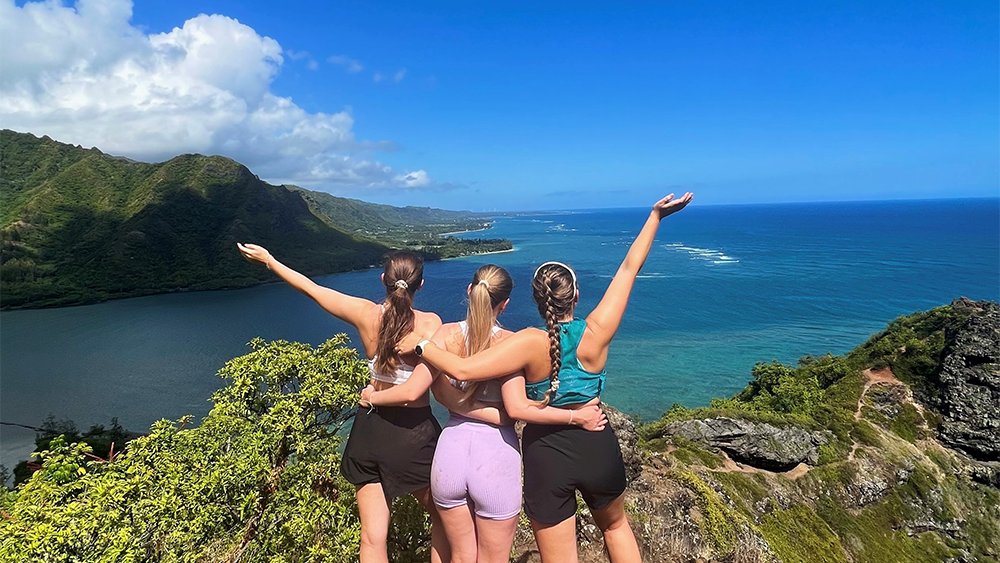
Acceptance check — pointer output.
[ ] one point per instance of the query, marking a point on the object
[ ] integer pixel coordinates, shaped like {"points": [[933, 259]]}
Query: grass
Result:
{"points": [[798, 535]]}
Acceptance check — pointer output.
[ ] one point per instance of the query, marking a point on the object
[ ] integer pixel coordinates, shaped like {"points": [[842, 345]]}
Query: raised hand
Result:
{"points": [[254, 253], [669, 205], [590, 418]]}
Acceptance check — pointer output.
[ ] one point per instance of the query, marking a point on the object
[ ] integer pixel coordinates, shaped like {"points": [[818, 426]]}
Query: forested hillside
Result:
{"points": [[82, 226]]}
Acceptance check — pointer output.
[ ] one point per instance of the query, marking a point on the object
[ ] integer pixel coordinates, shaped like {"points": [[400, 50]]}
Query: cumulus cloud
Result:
{"points": [[85, 75]]}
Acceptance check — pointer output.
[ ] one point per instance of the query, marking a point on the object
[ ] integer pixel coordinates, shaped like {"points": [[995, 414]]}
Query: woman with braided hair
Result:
{"points": [[564, 368], [390, 449], [476, 475]]}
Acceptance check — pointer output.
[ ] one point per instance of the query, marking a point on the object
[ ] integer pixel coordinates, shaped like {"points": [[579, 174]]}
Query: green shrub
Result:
{"points": [[258, 480]]}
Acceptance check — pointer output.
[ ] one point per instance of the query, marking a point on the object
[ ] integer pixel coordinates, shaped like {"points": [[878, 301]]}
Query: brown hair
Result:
{"points": [[554, 291], [491, 286], [402, 276]]}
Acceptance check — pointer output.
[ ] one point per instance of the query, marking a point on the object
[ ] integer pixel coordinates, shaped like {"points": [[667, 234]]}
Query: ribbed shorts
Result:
{"points": [[393, 446], [559, 460], [479, 464]]}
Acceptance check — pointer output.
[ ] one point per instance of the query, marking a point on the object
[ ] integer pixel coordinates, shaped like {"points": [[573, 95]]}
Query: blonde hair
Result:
{"points": [[491, 286], [554, 291]]}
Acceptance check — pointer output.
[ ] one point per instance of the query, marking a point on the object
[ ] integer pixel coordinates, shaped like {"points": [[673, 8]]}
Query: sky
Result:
{"points": [[527, 106]]}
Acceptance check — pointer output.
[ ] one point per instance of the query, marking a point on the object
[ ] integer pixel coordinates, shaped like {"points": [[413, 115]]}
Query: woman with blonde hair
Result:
{"points": [[389, 450], [564, 368], [476, 475]]}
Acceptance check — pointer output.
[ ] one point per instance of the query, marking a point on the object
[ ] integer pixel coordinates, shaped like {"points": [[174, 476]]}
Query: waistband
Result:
{"points": [[402, 416], [456, 419]]}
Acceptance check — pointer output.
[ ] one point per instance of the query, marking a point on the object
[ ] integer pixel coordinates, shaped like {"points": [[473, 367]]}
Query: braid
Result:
{"points": [[555, 349], [554, 291]]}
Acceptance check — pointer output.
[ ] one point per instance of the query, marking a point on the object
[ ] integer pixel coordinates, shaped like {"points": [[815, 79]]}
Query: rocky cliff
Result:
{"points": [[863, 465]]}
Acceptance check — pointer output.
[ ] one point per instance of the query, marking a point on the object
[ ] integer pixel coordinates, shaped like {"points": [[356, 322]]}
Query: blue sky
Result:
{"points": [[575, 105]]}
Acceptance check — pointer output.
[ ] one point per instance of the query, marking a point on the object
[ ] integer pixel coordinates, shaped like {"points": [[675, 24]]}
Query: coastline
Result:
{"points": [[149, 293], [512, 249], [463, 232]]}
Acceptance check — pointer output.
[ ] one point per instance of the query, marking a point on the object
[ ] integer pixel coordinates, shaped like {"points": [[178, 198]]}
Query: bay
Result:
{"points": [[724, 288]]}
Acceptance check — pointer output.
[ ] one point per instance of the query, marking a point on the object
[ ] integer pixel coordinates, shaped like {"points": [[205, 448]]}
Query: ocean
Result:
{"points": [[724, 287]]}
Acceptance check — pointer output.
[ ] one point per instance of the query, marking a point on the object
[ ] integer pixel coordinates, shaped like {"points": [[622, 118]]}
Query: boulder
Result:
{"points": [[753, 443], [969, 383]]}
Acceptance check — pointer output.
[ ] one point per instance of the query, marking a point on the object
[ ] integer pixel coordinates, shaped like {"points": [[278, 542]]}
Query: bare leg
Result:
{"points": [[557, 543], [495, 538], [374, 513], [618, 538], [460, 529], [440, 551]]}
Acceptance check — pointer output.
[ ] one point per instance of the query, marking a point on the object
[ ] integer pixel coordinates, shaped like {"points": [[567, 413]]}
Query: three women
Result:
{"points": [[560, 368]]}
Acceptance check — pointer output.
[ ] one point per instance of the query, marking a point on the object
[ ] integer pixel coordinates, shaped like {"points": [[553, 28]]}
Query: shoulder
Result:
{"points": [[427, 319], [532, 334]]}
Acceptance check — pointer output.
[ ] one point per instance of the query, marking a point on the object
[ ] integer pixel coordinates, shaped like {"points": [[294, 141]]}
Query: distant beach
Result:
{"points": [[469, 231]]}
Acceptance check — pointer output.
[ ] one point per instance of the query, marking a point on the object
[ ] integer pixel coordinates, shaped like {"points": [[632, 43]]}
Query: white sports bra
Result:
{"points": [[490, 390], [402, 373]]}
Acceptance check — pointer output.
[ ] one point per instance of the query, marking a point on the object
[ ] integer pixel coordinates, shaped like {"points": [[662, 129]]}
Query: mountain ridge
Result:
{"points": [[80, 226]]}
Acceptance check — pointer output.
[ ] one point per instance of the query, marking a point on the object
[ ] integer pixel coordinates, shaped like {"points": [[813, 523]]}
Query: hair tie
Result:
{"points": [[484, 282], [401, 284]]}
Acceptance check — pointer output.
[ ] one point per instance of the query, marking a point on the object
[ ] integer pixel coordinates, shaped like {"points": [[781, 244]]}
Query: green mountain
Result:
{"points": [[388, 222], [81, 226]]}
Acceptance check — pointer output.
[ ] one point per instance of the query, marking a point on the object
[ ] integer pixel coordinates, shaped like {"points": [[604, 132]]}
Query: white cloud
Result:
{"points": [[296, 55], [377, 77], [350, 64], [312, 65], [85, 75], [400, 75]]}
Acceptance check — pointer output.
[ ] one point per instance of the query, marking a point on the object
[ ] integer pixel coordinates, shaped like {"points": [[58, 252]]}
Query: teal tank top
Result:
{"points": [[576, 385]]}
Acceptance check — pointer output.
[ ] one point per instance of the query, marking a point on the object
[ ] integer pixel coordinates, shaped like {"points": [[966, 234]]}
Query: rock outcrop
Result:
{"points": [[969, 383], [628, 440], [757, 444]]}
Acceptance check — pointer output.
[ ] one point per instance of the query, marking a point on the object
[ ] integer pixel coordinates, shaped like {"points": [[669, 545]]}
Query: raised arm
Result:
{"points": [[512, 355], [345, 307], [519, 407], [603, 322]]}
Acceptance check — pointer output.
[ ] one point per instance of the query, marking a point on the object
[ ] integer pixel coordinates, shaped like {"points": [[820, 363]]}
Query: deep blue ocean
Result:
{"points": [[724, 287]]}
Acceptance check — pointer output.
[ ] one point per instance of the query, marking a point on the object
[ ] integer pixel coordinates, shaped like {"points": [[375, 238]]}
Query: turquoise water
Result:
{"points": [[724, 287]]}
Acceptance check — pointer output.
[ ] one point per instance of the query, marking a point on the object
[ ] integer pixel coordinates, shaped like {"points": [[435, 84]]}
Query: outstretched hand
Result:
{"points": [[408, 343], [669, 205], [590, 418], [254, 253]]}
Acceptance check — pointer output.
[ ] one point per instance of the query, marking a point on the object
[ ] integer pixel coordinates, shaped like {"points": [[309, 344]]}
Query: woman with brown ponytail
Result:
{"points": [[564, 367], [390, 450], [476, 476]]}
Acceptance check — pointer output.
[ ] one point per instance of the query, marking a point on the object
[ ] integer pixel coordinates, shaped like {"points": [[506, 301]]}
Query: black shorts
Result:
{"points": [[558, 460], [393, 446]]}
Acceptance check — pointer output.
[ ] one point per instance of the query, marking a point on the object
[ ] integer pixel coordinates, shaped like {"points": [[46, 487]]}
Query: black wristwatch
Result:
{"points": [[419, 348]]}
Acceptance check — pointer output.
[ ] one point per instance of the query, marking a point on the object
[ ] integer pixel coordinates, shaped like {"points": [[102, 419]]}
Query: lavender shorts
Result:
{"points": [[478, 463]]}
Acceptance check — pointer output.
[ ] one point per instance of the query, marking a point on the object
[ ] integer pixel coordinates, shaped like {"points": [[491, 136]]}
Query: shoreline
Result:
{"points": [[512, 249], [152, 293], [463, 232]]}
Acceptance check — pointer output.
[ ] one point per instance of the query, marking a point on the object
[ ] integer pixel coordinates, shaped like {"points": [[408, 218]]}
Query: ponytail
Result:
{"points": [[403, 274], [491, 285]]}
